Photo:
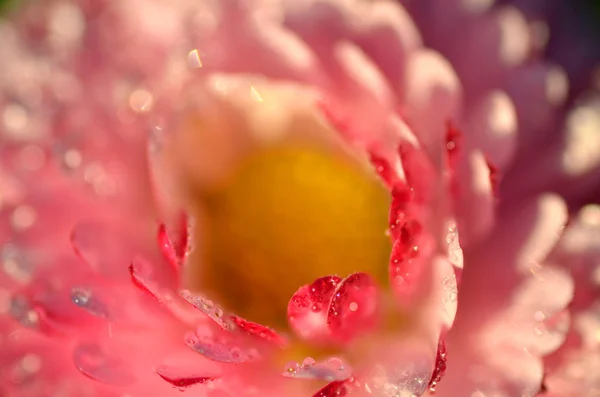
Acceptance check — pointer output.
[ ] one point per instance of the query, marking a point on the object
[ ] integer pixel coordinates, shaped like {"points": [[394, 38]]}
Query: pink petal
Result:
{"points": [[101, 247], [175, 246], [94, 363], [181, 377], [308, 308], [217, 349], [259, 331], [492, 127], [208, 308], [432, 98], [338, 388], [331, 369], [440, 365], [354, 307]]}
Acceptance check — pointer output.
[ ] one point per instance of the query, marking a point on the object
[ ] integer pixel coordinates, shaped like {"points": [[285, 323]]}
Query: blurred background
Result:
{"points": [[575, 25]]}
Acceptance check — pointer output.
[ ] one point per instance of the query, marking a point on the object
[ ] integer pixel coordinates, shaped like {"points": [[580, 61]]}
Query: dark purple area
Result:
{"points": [[575, 35]]}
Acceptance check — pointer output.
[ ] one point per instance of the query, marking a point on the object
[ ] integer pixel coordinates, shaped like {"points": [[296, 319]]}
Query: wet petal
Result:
{"points": [[94, 363], [354, 307], [330, 370], [217, 350], [182, 377], [308, 308]]}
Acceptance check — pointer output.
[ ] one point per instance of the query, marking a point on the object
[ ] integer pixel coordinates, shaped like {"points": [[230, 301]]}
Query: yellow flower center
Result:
{"points": [[288, 215]]}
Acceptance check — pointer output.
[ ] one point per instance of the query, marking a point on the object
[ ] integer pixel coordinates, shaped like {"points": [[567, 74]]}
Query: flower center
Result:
{"points": [[288, 215]]}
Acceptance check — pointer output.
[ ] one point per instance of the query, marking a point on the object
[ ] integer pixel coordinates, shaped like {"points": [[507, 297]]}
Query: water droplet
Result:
{"points": [[94, 363], [402, 196], [207, 307], [215, 350], [455, 253], [406, 261], [405, 373], [440, 365], [84, 298], [329, 370]]}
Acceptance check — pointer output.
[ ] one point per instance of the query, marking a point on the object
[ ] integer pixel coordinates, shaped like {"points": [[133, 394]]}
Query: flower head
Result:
{"points": [[264, 198]]}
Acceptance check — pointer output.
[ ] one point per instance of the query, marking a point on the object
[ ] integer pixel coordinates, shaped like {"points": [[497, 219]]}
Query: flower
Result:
{"points": [[196, 192]]}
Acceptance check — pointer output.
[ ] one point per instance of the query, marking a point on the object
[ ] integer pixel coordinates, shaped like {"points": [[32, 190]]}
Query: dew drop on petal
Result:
{"points": [[84, 298], [331, 369], [216, 350], [401, 198], [93, 362], [208, 307], [440, 365], [455, 253], [406, 261], [404, 369]]}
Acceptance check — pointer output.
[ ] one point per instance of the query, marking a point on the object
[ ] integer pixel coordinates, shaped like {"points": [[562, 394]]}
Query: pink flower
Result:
{"points": [[194, 193]]}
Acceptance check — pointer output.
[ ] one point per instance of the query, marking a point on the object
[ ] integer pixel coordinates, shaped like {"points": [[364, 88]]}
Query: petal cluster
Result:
{"points": [[447, 101]]}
